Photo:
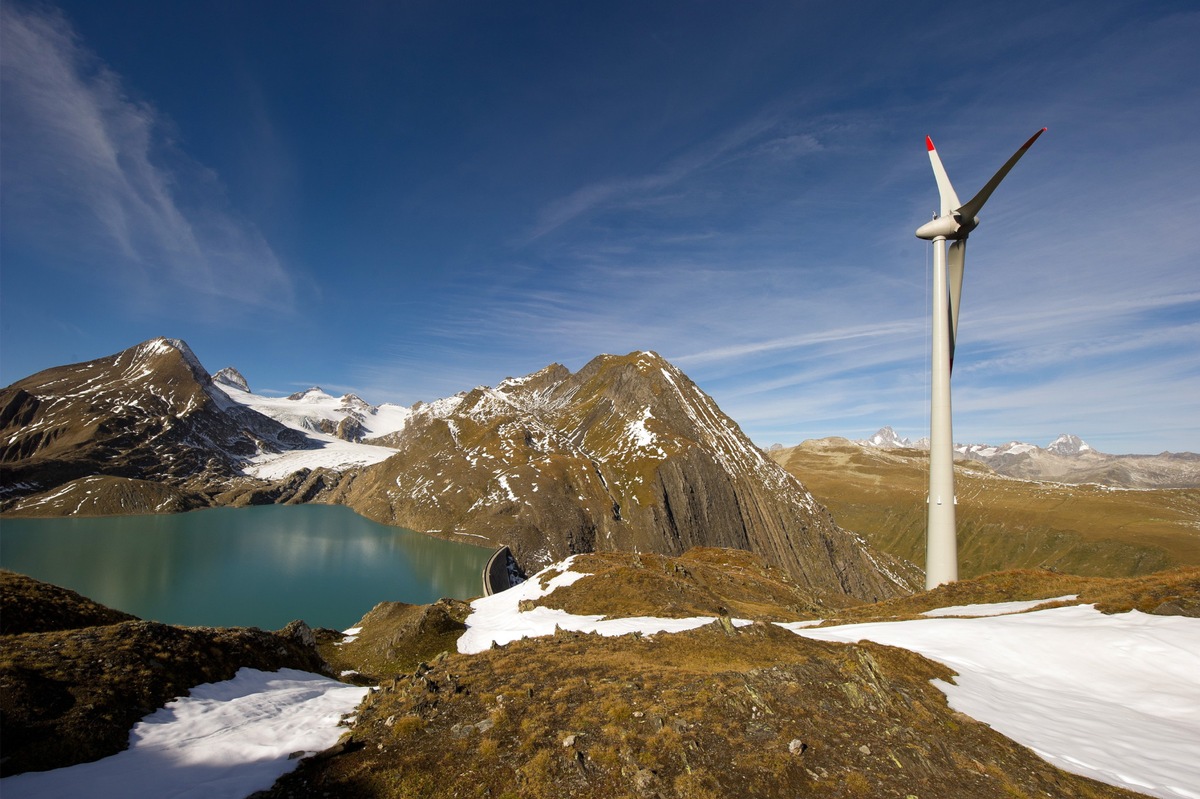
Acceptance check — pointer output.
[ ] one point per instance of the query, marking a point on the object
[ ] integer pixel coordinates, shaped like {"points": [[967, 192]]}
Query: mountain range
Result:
{"points": [[626, 454], [1067, 459]]}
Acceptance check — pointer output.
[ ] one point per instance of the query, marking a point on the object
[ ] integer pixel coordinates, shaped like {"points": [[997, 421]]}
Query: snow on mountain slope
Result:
{"points": [[1067, 444], [338, 426], [307, 410], [625, 454], [150, 412], [885, 438], [331, 453]]}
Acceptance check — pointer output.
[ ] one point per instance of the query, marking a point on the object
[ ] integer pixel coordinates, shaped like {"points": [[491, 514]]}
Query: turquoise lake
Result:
{"points": [[260, 566]]}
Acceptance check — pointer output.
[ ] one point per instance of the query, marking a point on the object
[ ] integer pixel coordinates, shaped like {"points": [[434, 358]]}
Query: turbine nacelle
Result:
{"points": [[950, 227]]}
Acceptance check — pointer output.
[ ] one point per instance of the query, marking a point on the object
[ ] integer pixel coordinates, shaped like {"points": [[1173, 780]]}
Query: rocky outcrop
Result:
{"points": [[231, 377], [106, 495], [31, 606], [75, 676], [626, 454]]}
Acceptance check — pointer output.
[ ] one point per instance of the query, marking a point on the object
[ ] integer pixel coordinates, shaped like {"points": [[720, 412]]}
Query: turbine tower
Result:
{"points": [[954, 223]]}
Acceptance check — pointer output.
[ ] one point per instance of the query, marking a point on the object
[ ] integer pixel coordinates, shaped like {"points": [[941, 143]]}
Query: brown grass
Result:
{"points": [[704, 581], [1003, 523], [703, 713], [395, 638], [1147, 594]]}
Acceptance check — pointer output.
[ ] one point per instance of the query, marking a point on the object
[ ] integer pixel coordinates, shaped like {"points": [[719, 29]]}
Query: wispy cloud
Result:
{"points": [[885, 330], [91, 172], [643, 189]]}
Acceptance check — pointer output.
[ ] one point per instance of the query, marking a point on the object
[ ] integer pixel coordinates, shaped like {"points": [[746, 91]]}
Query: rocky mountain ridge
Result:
{"points": [[1067, 459], [149, 413], [625, 454]]}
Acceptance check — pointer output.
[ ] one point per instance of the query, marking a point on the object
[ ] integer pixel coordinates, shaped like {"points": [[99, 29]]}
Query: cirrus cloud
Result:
{"points": [[92, 173]]}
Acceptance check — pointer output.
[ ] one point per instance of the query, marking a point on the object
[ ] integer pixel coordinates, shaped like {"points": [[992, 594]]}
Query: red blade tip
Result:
{"points": [[929, 143]]}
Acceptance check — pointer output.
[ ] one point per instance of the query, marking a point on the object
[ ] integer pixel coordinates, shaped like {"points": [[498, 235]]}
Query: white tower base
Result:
{"points": [[941, 545]]}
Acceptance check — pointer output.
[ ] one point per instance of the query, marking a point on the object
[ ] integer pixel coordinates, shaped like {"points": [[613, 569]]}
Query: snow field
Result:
{"points": [[224, 741], [1115, 698], [304, 414], [333, 453]]}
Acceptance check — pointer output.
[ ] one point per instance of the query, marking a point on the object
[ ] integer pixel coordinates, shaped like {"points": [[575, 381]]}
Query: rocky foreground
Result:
{"points": [[723, 709], [720, 710]]}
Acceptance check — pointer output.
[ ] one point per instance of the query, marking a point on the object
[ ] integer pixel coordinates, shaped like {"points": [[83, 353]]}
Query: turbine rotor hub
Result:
{"points": [[950, 227], [944, 227]]}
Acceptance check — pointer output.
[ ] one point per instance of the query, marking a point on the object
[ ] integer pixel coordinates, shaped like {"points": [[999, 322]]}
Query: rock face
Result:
{"points": [[150, 413], [626, 454], [231, 377]]}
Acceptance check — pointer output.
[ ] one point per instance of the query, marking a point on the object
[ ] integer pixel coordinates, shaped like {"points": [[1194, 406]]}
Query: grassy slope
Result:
{"points": [[708, 713], [1003, 523]]}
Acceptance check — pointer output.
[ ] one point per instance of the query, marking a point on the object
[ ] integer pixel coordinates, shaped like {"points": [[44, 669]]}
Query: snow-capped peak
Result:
{"points": [[886, 438], [1067, 444], [231, 378], [154, 348], [314, 394], [353, 402]]}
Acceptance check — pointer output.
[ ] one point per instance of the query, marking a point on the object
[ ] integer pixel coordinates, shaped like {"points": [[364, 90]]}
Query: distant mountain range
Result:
{"points": [[1065, 444], [1067, 459], [626, 454]]}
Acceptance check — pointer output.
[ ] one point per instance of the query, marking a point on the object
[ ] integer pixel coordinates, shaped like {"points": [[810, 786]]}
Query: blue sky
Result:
{"points": [[406, 200]]}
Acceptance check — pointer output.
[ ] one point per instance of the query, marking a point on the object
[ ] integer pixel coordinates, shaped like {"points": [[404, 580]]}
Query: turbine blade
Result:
{"points": [[971, 209], [956, 257], [945, 190]]}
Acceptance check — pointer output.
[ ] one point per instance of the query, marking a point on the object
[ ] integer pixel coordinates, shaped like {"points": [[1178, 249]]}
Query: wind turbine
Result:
{"points": [[954, 223]]}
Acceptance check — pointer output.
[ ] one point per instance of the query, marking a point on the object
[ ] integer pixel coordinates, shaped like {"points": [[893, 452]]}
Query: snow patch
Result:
{"points": [[499, 619], [225, 740]]}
